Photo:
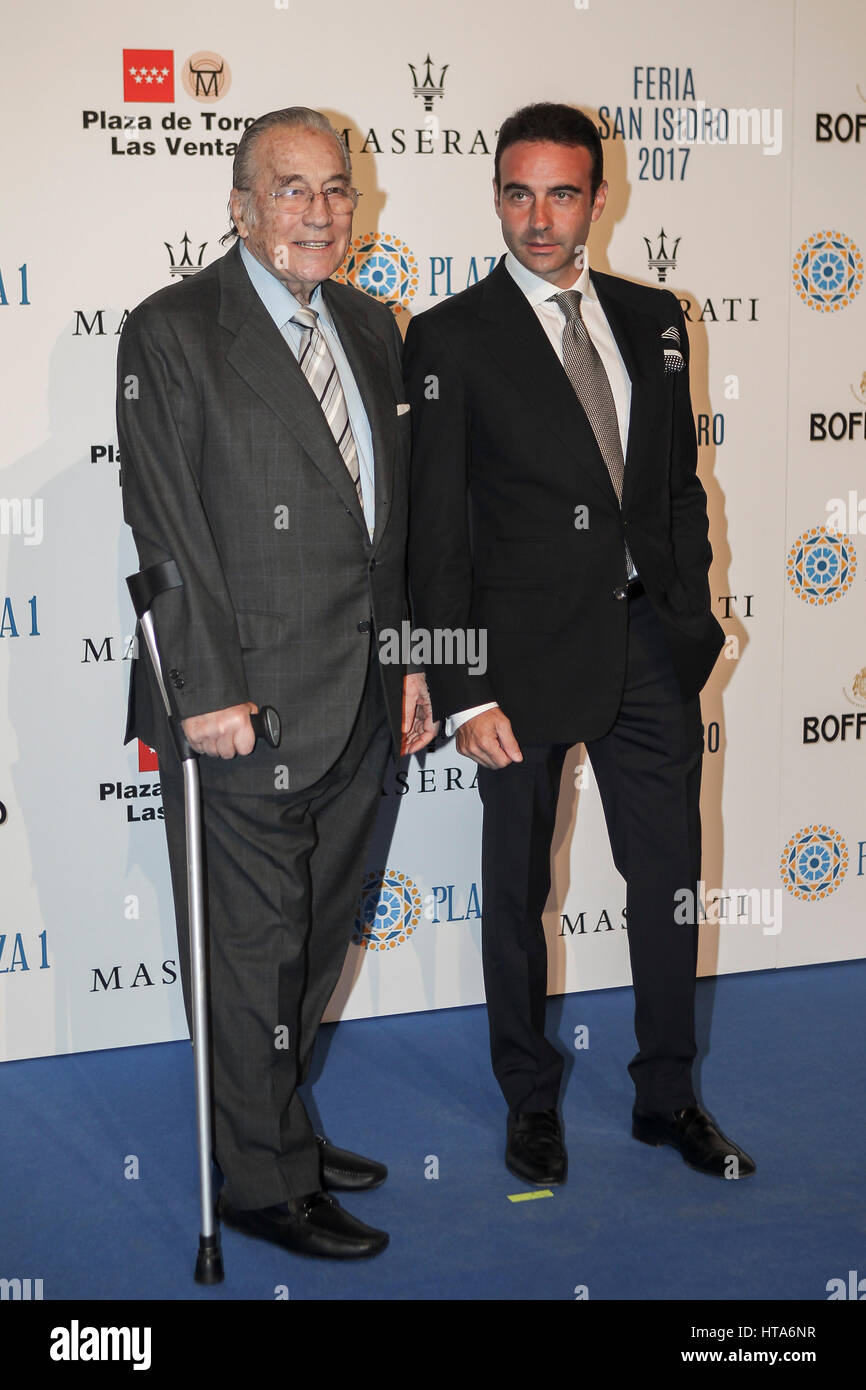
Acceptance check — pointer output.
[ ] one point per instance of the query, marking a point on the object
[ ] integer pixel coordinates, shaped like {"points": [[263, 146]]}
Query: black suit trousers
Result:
{"points": [[283, 874], [648, 769]]}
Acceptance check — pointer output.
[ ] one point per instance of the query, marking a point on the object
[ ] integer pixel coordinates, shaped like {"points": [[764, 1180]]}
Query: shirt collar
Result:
{"points": [[538, 290], [279, 301]]}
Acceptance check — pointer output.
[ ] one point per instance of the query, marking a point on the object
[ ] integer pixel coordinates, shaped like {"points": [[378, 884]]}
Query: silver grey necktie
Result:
{"points": [[318, 366], [586, 373]]}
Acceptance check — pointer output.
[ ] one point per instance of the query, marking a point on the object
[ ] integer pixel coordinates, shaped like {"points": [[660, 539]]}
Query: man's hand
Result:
{"points": [[223, 732], [418, 726], [488, 739]]}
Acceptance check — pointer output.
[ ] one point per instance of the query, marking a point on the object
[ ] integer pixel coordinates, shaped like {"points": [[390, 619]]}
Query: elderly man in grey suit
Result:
{"points": [[265, 449]]}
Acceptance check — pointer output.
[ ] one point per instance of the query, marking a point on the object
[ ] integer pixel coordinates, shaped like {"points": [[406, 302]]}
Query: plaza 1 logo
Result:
{"points": [[828, 271], [821, 566], [382, 266], [814, 862], [389, 910]]}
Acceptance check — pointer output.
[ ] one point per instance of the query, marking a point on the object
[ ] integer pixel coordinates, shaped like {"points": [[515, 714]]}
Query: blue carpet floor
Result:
{"points": [[783, 1075]]}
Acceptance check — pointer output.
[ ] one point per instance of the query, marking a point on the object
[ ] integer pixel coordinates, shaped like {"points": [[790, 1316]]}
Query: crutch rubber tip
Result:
{"points": [[209, 1265]]}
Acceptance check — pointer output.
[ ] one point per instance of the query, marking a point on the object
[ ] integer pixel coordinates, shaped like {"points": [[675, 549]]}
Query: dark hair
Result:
{"points": [[292, 118], [550, 120]]}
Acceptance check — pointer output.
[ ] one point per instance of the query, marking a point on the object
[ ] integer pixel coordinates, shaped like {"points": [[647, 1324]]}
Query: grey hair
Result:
{"points": [[291, 118]]}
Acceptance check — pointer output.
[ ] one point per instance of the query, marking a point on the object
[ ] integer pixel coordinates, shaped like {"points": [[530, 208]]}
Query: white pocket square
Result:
{"points": [[402, 407], [673, 358]]}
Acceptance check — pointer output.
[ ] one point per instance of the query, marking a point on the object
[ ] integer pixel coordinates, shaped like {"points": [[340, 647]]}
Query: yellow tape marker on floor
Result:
{"points": [[530, 1196]]}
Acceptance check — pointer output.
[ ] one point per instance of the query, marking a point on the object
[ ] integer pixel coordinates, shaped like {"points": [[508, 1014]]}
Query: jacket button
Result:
{"points": [[620, 593], [173, 673], [365, 625], [372, 564], [178, 682]]}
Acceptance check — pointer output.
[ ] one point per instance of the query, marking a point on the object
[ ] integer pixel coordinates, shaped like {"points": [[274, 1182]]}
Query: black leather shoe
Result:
{"points": [[701, 1143], [535, 1151], [343, 1171], [313, 1225]]}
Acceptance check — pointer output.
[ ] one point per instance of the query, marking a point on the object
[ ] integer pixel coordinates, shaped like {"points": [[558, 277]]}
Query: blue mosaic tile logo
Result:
{"points": [[814, 862], [821, 565], [382, 266], [828, 271], [389, 910]]}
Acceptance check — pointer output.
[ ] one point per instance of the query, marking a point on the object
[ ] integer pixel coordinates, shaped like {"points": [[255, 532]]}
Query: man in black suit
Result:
{"points": [[265, 447], [555, 504]]}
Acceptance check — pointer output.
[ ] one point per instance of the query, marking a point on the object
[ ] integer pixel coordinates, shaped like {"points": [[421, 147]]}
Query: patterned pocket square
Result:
{"points": [[673, 358], [402, 407]]}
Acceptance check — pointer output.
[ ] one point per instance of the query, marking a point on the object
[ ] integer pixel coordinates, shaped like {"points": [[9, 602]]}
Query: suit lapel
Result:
{"points": [[368, 361], [261, 356], [522, 349], [637, 337]]}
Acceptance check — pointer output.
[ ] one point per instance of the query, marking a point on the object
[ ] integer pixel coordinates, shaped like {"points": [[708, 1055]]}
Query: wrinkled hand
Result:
{"points": [[418, 725], [488, 739], [223, 732]]}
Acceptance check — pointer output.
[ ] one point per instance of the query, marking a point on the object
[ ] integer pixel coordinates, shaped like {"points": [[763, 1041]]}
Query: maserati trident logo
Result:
{"points": [[663, 260], [184, 264], [428, 89]]}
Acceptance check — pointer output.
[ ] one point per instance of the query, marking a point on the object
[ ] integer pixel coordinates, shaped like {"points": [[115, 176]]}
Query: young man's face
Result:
{"points": [[546, 207]]}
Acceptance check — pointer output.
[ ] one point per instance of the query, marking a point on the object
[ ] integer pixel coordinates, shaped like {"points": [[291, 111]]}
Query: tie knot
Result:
{"points": [[307, 318], [569, 302]]}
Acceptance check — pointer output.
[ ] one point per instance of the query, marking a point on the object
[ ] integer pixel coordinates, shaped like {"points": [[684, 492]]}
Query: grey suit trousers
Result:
{"points": [[283, 874]]}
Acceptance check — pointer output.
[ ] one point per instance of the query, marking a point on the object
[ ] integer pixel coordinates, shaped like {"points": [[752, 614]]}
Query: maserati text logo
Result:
{"points": [[723, 309]]}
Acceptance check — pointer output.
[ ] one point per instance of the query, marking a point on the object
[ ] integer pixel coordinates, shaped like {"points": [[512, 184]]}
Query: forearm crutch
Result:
{"points": [[143, 589]]}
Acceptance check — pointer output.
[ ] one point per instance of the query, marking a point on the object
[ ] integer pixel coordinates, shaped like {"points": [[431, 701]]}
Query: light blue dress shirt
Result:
{"points": [[281, 304]]}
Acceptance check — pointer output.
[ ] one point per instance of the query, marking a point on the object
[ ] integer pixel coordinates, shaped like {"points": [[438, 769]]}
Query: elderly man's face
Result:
{"points": [[300, 248]]}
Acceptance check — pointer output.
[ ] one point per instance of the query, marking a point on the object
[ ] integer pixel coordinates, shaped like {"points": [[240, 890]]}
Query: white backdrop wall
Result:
{"points": [[116, 151]]}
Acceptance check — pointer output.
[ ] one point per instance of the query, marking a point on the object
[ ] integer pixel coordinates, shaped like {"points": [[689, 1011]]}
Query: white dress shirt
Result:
{"points": [[552, 320], [281, 304]]}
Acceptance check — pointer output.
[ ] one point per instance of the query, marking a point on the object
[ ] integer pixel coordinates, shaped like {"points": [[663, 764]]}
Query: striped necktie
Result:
{"points": [[318, 366]]}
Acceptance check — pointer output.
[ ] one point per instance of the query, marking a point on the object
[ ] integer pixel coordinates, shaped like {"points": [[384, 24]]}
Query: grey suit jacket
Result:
{"points": [[229, 468]]}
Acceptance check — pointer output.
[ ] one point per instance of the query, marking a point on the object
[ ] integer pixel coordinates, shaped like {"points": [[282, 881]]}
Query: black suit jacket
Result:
{"points": [[503, 455], [229, 468]]}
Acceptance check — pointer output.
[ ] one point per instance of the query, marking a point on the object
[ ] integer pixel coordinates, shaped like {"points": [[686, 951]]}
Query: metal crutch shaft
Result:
{"points": [[144, 588]]}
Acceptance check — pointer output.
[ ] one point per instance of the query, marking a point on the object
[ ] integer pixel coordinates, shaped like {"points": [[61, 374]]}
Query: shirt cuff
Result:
{"points": [[453, 722]]}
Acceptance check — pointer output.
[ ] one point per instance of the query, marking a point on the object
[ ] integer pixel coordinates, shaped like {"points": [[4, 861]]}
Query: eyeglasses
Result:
{"points": [[338, 198]]}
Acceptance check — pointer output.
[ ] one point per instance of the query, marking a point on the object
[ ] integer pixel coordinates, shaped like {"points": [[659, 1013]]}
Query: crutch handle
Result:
{"points": [[143, 589], [266, 725]]}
